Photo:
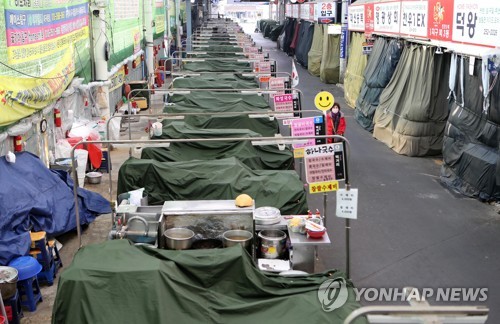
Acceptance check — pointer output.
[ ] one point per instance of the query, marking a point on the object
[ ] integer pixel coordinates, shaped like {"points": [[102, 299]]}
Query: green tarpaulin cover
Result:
{"points": [[316, 51], [355, 69], [208, 101], [218, 179], [330, 59], [224, 81], [267, 157], [178, 129], [413, 107], [117, 282], [217, 66]]}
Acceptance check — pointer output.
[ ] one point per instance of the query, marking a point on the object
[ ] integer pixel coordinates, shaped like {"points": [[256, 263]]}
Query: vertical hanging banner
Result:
{"points": [[356, 17], [369, 19], [35, 29], [387, 17], [440, 20], [414, 18], [476, 22], [159, 11]]}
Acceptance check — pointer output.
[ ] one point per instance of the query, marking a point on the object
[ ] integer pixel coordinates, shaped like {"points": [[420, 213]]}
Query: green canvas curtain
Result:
{"points": [[316, 52], [330, 60], [355, 69], [413, 107]]}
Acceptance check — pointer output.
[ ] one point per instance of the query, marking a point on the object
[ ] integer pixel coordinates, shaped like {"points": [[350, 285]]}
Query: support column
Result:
{"points": [[99, 41], [148, 37], [188, 25]]}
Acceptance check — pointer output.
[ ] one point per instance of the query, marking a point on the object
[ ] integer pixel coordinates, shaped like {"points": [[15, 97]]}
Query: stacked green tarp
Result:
{"points": [[217, 66], [330, 59], [268, 157], [220, 48], [118, 282], [316, 52], [217, 179], [355, 69], [216, 81], [383, 61], [471, 146], [413, 107], [216, 102]]}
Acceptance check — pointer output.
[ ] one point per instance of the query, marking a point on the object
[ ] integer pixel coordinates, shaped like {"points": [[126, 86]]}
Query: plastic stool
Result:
{"points": [[13, 309], [27, 284], [30, 289]]}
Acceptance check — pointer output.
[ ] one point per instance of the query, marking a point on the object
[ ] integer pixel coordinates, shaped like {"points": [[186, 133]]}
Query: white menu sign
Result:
{"points": [[356, 17], [414, 18], [387, 17], [476, 22]]}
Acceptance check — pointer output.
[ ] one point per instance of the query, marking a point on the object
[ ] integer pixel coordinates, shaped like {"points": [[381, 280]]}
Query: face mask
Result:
{"points": [[335, 110]]}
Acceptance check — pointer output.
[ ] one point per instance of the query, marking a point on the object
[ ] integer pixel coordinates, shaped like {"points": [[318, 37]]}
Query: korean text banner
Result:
{"points": [[21, 97], [35, 29]]}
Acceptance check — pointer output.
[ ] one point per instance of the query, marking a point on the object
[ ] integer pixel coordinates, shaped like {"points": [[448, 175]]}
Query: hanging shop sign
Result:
{"points": [[277, 83], [35, 30], [369, 19], [343, 43], [311, 126], [356, 16], [325, 165], [440, 20], [386, 19], [476, 22], [414, 18], [326, 12], [159, 12], [367, 48], [283, 103]]}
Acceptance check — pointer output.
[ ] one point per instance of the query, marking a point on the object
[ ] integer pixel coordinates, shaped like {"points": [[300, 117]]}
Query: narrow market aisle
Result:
{"points": [[411, 231]]}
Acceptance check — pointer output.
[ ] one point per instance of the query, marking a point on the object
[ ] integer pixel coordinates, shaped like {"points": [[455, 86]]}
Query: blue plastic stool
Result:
{"points": [[27, 284], [16, 311]]}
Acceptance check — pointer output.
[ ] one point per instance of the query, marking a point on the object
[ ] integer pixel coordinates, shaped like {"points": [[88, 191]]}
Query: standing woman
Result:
{"points": [[335, 122]]}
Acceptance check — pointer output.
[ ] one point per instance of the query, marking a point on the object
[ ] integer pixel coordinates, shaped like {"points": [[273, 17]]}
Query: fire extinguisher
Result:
{"points": [[134, 65], [18, 143], [125, 69], [57, 117]]}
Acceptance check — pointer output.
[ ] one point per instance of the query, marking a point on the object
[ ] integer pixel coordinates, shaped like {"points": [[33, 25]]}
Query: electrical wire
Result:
{"points": [[32, 76]]}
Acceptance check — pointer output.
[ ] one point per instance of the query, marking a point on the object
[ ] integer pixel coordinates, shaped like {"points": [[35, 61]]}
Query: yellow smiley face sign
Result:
{"points": [[324, 101]]}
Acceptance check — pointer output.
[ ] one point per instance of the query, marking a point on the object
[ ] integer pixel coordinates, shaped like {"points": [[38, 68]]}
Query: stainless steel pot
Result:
{"points": [[94, 177], [272, 244], [178, 238], [235, 237], [8, 282]]}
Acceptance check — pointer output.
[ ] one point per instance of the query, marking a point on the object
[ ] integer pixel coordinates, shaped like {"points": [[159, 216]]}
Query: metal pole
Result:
{"points": [[344, 41], [188, 25], [75, 195], [347, 223], [325, 204]]}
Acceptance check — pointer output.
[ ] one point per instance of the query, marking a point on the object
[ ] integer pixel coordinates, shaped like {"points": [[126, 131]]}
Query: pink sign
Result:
{"points": [[324, 163], [283, 103], [303, 127]]}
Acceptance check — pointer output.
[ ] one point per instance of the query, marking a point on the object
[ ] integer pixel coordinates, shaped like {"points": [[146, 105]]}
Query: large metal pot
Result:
{"points": [[8, 282], [94, 177], [272, 244], [178, 238], [235, 237]]}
